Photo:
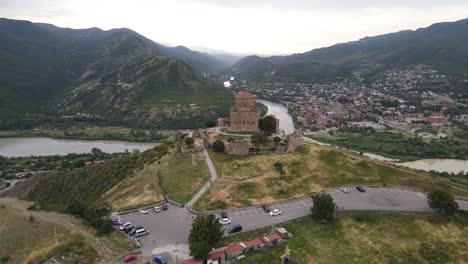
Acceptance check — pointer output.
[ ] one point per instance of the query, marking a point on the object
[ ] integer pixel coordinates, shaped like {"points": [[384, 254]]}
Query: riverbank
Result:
{"points": [[92, 133]]}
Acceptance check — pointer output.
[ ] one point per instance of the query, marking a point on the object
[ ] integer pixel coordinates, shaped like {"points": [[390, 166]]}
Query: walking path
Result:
{"points": [[213, 178], [12, 184]]}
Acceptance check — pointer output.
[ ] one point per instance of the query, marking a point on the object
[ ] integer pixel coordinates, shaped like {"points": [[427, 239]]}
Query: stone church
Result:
{"points": [[245, 114]]}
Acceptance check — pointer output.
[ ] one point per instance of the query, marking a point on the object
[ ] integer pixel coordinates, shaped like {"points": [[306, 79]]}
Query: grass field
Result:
{"points": [[399, 146], [370, 237], [23, 238], [179, 174], [140, 190], [251, 180], [182, 174]]}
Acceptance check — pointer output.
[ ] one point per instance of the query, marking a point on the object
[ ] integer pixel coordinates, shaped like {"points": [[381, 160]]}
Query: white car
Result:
{"points": [[225, 221], [157, 209], [143, 211], [275, 212], [345, 190], [122, 227], [117, 221]]}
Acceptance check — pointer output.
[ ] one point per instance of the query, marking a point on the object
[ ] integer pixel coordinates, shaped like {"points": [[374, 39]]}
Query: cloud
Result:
{"points": [[337, 5]]}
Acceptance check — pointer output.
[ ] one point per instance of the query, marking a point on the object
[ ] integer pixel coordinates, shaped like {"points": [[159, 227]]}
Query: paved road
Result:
{"points": [[213, 178], [171, 228]]}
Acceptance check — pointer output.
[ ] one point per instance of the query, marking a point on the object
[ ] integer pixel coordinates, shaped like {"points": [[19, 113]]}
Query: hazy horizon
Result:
{"points": [[244, 27]]}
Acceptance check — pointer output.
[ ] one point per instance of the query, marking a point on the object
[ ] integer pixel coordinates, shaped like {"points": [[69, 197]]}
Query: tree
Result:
{"points": [[206, 232], [96, 151], [324, 207], [200, 249], [218, 146], [215, 230], [210, 123], [269, 124], [258, 138], [189, 141], [442, 201]]}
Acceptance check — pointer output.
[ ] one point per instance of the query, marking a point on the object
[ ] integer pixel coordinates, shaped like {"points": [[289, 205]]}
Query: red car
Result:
{"points": [[130, 258]]}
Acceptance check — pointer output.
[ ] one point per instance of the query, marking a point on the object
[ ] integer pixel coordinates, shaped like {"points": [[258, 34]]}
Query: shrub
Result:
{"points": [[218, 146], [442, 201], [189, 141]]}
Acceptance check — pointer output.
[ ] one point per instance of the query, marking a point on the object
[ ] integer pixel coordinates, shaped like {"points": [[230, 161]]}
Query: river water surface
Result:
{"points": [[41, 146], [280, 111]]}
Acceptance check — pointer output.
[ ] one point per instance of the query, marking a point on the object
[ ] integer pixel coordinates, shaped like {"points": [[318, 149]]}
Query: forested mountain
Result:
{"points": [[443, 46], [118, 75]]}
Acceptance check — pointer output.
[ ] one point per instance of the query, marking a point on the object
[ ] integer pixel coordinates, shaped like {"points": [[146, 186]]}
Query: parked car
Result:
{"points": [[141, 232], [224, 214], [117, 221], [157, 209], [128, 228], [361, 189], [224, 221], [266, 208], [122, 227], [345, 190], [134, 229], [160, 259], [235, 228], [130, 258], [143, 211], [275, 212], [164, 206]]}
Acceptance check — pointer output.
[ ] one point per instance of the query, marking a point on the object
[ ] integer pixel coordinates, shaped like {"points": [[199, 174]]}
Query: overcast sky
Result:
{"points": [[243, 26]]}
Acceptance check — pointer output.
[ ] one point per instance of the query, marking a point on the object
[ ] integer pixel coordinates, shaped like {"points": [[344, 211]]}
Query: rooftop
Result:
{"points": [[245, 95]]}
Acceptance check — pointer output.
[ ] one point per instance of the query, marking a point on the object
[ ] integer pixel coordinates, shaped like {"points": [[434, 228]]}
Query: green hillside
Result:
{"points": [[117, 75], [442, 46]]}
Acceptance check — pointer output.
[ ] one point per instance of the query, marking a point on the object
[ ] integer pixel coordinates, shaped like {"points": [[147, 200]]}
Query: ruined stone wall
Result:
{"points": [[294, 141], [237, 148]]}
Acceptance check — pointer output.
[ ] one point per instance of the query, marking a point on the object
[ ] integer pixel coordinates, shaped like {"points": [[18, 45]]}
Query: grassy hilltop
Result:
{"points": [[252, 180]]}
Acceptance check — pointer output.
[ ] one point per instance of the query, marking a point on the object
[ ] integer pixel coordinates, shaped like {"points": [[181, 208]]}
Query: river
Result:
{"points": [[42, 146], [280, 111]]}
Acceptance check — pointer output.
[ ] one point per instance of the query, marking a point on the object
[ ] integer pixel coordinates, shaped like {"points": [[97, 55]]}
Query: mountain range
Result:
{"points": [[117, 74], [121, 77], [442, 46]]}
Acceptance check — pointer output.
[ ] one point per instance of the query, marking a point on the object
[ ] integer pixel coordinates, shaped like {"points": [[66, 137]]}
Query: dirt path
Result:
{"points": [[105, 248]]}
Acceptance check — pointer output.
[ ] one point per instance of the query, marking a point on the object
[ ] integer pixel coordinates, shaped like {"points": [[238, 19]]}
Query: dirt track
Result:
{"points": [[105, 248]]}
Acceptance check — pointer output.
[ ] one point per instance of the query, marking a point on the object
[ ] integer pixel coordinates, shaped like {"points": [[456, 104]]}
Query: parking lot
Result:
{"points": [[169, 230]]}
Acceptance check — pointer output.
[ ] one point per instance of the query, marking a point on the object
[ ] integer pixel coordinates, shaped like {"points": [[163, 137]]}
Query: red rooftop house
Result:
{"points": [[234, 251], [252, 245], [436, 120]]}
